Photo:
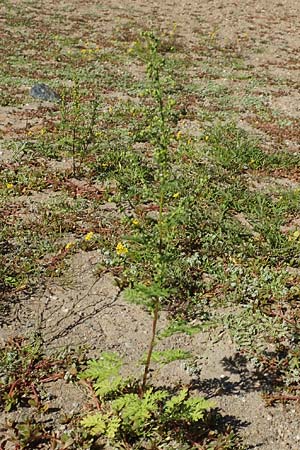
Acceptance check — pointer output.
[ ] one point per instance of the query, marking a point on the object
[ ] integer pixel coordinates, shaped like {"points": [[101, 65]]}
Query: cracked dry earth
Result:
{"points": [[82, 309]]}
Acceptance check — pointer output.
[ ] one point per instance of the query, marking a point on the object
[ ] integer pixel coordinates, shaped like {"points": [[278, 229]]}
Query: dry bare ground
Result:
{"points": [[82, 309]]}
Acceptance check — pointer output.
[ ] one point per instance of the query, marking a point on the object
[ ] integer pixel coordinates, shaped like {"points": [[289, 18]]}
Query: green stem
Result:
{"points": [[160, 222], [154, 76]]}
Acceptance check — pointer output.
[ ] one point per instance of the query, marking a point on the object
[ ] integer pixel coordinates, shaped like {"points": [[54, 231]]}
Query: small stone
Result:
{"points": [[43, 92]]}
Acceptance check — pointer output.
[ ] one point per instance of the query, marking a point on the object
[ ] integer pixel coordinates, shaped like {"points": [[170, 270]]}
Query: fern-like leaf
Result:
{"points": [[110, 385], [112, 428], [172, 406], [144, 295], [109, 364], [102, 424], [166, 356], [136, 411], [195, 408], [180, 327], [105, 372], [180, 407], [95, 423]]}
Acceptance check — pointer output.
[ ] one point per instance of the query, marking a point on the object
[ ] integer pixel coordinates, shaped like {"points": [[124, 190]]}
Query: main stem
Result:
{"points": [[151, 347], [154, 77]]}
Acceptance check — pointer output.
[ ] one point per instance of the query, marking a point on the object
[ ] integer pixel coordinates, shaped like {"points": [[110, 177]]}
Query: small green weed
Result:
{"points": [[77, 126], [138, 418], [23, 369], [234, 150]]}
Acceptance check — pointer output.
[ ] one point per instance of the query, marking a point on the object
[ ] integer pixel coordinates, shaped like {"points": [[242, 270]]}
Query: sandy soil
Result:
{"points": [[82, 309]]}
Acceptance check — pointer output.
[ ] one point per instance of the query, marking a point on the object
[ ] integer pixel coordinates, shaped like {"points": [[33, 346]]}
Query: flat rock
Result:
{"points": [[43, 92]]}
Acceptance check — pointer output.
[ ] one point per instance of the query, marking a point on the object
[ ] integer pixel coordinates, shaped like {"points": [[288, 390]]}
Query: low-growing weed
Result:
{"points": [[24, 368], [77, 126], [139, 418]]}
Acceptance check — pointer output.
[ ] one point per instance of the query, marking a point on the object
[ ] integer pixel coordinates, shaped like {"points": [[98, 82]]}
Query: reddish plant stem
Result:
{"points": [[151, 347]]}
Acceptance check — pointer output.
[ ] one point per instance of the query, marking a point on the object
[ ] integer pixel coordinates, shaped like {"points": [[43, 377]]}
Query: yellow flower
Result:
{"points": [[88, 236], [178, 135], [131, 49], [296, 234], [206, 138], [135, 222], [176, 195], [69, 245], [9, 185], [121, 249]]}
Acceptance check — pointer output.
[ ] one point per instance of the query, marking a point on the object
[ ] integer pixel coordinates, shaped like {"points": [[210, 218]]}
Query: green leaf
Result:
{"points": [[96, 424], [105, 372], [180, 327], [109, 386], [167, 356], [172, 405], [142, 294], [136, 411], [102, 424], [113, 427], [195, 408], [108, 365], [179, 407], [132, 410]]}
